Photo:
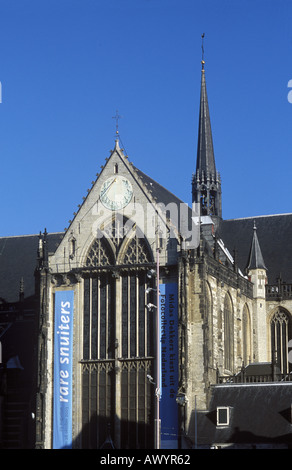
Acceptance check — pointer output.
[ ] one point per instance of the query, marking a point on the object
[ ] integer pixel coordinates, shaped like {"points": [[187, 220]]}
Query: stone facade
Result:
{"points": [[132, 235], [228, 316], [224, 315], [233, 309]]}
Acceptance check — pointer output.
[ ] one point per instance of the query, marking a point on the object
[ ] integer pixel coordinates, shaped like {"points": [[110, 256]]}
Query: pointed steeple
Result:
{"points": [[257, 275], [206, 184], [256, 260], [205, 152]]}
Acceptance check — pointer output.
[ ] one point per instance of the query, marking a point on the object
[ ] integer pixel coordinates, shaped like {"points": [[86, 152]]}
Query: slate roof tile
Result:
{"points": [[18, 259], [274, 234]]}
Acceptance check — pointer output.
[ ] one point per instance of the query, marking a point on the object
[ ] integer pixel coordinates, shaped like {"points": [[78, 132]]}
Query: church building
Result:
{"points": [[117, 330]]}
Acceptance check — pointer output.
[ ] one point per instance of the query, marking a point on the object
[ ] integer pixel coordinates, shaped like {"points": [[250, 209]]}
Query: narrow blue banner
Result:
{"points": [[63, 340], [169, 365]]}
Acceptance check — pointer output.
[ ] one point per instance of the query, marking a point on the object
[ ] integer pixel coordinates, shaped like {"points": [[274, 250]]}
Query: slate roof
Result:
{"points": [[18, 260], [18, 255], [159, 192], [259, 413], [274, 233], [270, 246], [162, 195]]}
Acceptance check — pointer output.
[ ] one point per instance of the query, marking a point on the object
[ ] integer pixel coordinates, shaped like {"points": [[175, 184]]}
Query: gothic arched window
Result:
{"points": [[137, 252], [280, 335], [99, 254], [228, 334], [118, 330], [209, 324], [246, 342]]}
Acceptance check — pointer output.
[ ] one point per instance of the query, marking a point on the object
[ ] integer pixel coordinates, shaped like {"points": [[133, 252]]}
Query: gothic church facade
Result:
{"points": [[232, 280]]}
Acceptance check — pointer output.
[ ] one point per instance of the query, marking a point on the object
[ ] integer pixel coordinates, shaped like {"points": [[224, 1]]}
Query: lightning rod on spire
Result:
{"points": [[203, 61], [117, 117]]}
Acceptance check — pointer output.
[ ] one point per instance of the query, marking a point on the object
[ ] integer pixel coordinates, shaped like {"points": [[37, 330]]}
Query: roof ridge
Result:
{"points": [[258, 216], [30, 235]]}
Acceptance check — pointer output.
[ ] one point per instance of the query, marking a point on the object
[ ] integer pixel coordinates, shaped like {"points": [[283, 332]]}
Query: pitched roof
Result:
{"points": [[18, 255], [274, 234], [18, 260], [180, 214], [159, 192], [259, 413]]}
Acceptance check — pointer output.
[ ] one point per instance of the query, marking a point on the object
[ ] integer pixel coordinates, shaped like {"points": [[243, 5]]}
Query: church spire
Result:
{"points": [[205, 152], [256, 260], [206, 182]]}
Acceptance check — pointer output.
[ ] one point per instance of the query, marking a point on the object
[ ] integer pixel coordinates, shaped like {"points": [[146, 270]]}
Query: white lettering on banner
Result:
{"points": [[63, 352], [64, 341], [168, 352], [168, 304]]}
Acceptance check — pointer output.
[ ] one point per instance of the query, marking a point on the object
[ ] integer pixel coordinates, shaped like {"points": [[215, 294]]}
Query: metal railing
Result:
{"points": [[281, 291], [243, 377]]}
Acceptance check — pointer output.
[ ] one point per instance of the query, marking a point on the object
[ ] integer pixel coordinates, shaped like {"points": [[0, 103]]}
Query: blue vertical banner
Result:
{"points": [[63, 342], [168, 309]]}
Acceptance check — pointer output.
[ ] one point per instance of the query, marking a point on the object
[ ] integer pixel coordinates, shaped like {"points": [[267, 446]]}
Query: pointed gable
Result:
{"points": [[142, 194]]}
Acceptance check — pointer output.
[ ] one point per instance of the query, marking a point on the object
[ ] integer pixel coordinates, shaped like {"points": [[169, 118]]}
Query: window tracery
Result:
{"points": [[280, 325], [228, 334], [115, 238], [117, 337], [246, 341], [137, 252], [99, 254]]}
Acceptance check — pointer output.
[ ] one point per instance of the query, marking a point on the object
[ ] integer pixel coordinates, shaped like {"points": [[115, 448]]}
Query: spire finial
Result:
{"points": [[117, 117], [202, 61]]}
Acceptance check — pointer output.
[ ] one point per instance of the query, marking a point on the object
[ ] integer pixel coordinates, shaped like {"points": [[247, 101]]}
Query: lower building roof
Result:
{"points": [[18, 260], [18, 255], [259, 413], [274, 234]]}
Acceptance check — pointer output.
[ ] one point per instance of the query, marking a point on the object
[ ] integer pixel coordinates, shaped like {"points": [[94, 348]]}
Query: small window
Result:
{"points": [[72, 248], [116, 168], [222, 416]]}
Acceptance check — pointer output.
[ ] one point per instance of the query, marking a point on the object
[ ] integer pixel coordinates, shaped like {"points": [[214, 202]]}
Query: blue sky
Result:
{"points": [[66, 66]]}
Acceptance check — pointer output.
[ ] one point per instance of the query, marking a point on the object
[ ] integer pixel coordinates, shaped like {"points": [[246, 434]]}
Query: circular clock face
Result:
{"points": [[116, 192]]}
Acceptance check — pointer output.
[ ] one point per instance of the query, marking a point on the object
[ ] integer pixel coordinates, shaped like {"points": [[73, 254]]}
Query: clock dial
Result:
{"points": [[116, 192]]}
